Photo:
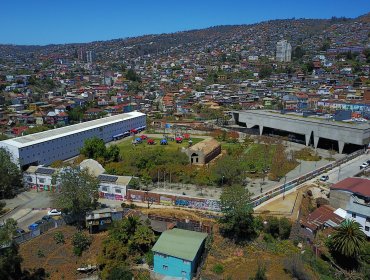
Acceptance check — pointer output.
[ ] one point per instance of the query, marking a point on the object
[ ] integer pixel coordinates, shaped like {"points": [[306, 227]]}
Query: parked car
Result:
{"points": [[35, 225], [19, 231], [54, 212], [324, 178], [47, 218], [364, 165]]}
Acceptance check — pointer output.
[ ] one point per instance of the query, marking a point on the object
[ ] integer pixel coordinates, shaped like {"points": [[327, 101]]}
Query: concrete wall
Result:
{"points": [[343, 133], [171, 266], [339, 199]]}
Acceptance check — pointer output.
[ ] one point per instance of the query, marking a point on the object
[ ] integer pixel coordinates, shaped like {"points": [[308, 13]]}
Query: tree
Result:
{"points": [[226, 171], [298, 52], [348, 239], [80, 242], [94, 148], [237, 221], [279, 162], [308, 67], [10, 260], [132, 76], [265, 72], [120, 273], [76, 114], [112, 153], [77, 190], [10, 175], [128, 240]]}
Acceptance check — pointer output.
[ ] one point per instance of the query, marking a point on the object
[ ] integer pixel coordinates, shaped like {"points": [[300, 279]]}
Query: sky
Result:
{"points": [[41, 22]]}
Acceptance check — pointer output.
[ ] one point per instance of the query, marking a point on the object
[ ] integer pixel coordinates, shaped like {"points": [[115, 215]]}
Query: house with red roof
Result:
{"points": [[321, 218], [353, 196]]}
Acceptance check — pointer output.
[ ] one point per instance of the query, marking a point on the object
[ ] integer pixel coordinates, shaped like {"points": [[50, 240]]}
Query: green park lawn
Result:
{"points": [[127, 146]]}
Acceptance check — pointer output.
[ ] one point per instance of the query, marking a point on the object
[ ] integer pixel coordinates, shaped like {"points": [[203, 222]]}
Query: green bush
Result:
{"points": [[40, 253], [268, 238], [218, 269], [278, 227], [59, 237], [149, 258], [80, 242]]}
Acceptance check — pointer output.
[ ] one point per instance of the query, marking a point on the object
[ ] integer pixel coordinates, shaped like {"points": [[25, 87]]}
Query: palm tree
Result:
{"points": [[348, 239]]}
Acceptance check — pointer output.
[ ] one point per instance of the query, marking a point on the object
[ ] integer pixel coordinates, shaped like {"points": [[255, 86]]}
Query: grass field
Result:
{"points": [[255, 156], [127, 146]]}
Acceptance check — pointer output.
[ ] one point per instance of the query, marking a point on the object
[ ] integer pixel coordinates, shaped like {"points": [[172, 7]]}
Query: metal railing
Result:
{"points": [[302, 179]]}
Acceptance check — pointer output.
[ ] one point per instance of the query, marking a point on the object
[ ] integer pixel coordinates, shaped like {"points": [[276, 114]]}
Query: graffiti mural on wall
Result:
{"points": [[206, 204], [136, 197], [164, 200]]}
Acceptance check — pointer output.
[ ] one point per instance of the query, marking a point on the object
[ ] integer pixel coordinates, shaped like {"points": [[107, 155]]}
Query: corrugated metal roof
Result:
{"points": [[359, 186], [40, 137], [179, 243]]}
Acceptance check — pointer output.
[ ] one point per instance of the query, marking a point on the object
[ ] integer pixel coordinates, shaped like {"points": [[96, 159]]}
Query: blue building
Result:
{"points": [[177, 253], [45, 147]]}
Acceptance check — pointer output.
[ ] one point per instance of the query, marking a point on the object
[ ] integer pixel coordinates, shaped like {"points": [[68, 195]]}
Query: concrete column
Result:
{"points": [[308, 137], [341, 146], [261, 129], [315, 141]]}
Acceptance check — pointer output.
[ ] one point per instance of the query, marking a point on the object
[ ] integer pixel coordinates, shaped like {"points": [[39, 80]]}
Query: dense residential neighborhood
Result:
{"points": [[231, 152]]}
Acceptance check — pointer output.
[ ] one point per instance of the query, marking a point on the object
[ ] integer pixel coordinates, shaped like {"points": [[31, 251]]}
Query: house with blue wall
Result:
{"points": [[177, 253]]}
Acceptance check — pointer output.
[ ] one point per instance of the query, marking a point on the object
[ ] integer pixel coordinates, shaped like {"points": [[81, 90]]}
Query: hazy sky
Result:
{"points": [[66, 21]]}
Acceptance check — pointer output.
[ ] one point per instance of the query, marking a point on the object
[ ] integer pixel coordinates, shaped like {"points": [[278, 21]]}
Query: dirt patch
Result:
{"points": [[178, 214], [286, 207], [58, 259]]}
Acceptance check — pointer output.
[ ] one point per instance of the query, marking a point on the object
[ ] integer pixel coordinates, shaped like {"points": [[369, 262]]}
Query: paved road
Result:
{"points": [[348, 169], [23, 205]]}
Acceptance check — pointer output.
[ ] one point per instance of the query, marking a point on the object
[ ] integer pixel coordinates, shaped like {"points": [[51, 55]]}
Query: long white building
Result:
{"points": [[62, 143]]}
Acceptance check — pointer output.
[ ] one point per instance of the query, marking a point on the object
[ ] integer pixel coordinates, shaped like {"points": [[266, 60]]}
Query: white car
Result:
{"points": [[324, 178], [54, 212], [364, 165]]}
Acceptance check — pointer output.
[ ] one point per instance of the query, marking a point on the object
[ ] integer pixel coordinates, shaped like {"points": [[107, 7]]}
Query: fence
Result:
{"points": [[40, 230]]}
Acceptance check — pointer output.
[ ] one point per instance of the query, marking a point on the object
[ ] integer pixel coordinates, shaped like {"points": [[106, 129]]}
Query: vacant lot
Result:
{"points": [[58, 259]]}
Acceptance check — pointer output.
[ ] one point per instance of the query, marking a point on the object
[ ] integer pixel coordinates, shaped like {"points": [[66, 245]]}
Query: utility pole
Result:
{"points": [[284, 188], [339, 172]]}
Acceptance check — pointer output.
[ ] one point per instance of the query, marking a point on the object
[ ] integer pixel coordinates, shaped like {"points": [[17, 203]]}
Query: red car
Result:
{"points": [[134, 131], [143, 137], [178, 139], [150, 142]]}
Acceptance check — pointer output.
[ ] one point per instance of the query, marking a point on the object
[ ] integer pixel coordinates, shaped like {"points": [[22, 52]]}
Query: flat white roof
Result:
{"points": [[44, 136]]}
